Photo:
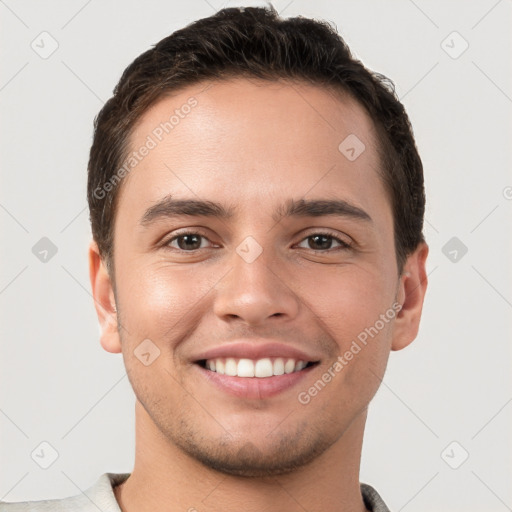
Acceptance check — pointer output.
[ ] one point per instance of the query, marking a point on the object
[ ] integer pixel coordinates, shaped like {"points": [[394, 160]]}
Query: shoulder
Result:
{"points": [[73, 503], [372, 499], [100, 496]]}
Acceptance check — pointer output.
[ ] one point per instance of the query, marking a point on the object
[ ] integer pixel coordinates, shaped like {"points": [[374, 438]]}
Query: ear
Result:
{"points": [[411, 292], [104, 301]]}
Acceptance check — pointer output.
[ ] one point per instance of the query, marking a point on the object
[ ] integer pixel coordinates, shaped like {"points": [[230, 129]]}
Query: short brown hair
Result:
{"points": [[255, 43]]}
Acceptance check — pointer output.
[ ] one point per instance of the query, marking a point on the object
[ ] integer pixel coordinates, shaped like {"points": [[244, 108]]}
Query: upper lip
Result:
{"points": [[255, 350]]}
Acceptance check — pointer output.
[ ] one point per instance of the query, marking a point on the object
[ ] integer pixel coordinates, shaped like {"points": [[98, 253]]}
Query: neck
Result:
{"points": [[166, 478]]}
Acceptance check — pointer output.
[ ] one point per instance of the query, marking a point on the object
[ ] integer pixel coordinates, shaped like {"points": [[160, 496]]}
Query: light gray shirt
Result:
{"points": [[100, 497]]}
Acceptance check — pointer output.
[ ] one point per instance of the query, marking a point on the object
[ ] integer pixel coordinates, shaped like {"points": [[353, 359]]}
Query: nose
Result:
{"points": [[255, 291]]}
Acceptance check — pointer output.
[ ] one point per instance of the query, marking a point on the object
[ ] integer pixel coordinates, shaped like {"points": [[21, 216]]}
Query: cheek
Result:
{"points": [[162, 302], [350, 311], [346, 299]]}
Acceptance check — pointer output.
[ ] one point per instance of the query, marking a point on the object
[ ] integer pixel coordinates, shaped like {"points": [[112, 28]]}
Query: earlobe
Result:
{"points": [[411, 294], [104, 301]]}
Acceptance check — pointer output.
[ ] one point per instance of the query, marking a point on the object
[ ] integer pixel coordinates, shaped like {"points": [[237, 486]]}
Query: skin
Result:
{"points": [[253, 145]]}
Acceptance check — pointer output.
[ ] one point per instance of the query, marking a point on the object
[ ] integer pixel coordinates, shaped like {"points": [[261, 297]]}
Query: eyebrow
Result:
{"points": [[168, 207]]}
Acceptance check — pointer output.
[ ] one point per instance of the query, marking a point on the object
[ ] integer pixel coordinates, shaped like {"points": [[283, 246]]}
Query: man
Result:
{"points": [[256, 201]]}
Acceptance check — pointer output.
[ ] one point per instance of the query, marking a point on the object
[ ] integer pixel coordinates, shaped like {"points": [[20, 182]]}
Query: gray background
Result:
{"points": [[57, 385]]}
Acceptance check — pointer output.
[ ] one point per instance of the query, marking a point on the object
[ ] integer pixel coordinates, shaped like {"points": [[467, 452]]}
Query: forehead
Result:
{"points": [[253, 141]]}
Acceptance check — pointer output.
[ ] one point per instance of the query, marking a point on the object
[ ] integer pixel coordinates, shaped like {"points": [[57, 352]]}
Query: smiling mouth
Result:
{"points": [[251, 368]]}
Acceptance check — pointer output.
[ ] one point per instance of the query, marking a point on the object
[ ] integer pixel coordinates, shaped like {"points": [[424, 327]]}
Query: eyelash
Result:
{"points": [[343, 245]]}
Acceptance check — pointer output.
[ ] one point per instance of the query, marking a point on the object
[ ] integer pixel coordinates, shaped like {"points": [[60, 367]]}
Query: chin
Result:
{"points": [[283, 456]]}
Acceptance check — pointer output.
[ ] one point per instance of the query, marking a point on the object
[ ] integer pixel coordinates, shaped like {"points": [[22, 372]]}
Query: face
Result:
{"points": [[256, 323]]}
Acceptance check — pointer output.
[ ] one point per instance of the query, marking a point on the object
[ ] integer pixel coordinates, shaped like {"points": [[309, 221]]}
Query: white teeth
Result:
{"points": [[231, 367], [299, 365], [265, 367], [219, 366], [279, 366], [245, 368], [289, 367]]}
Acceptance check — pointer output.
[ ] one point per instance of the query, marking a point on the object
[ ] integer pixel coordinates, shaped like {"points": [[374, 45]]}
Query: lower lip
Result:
{"points": [[255, 387]]}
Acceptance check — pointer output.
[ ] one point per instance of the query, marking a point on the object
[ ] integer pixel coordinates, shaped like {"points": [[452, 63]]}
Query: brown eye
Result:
{"points": [[187, 241], [324, 242]]}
